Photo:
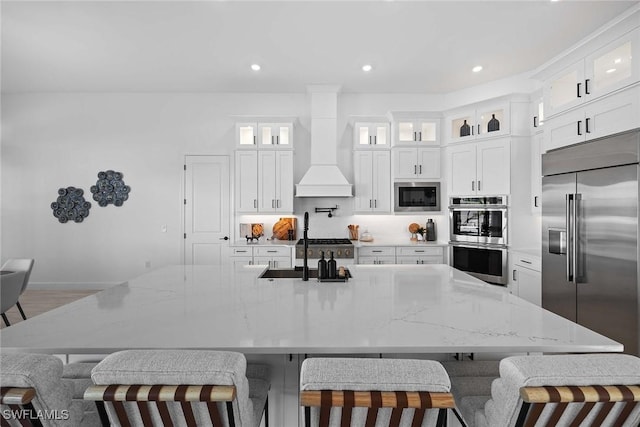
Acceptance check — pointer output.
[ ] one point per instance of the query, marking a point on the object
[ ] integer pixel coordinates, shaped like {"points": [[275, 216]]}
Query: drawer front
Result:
{"points": [[427, 259], [420, 251], [527, 261], [377, 251], [271, 251], [244, 252]]}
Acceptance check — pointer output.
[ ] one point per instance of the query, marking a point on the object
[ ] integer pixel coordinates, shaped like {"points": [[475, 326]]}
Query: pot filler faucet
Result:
{"points": [[305, 266]]}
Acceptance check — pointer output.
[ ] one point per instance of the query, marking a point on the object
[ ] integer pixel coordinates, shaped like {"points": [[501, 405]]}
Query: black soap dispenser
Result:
{"points": [[431, 230], [332, 268], [322, 267]]}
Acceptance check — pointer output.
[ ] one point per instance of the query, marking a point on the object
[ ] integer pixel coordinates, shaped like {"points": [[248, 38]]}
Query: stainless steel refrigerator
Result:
{"points": [[590, 236]]}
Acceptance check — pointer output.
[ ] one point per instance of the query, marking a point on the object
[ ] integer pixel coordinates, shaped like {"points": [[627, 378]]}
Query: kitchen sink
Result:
{"points": [[290, 273]]}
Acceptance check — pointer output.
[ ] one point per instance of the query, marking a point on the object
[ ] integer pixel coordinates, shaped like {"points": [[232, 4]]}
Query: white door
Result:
{"points": [[206, 209]]}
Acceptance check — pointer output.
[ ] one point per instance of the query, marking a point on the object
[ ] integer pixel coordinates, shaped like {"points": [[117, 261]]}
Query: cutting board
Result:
{"points": [[282, 227]]}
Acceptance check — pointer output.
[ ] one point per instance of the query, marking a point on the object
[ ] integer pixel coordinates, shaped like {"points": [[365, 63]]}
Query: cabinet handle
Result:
{"points": [[420, 136], [255, 203], [535, 201], [578, 89], [418, 251], [586, 124], [273, 203], [370, 137], [415, 136], [514, 276], [420, 169], [586, 87], [415, 169], [579, 127], [375, 203], [473, 186], [525, 261], [535, 121], [417, 261], [272, 252], [478, 185], [250, 262], [277, 139], [478, 128], [375, 140], [278, 203], [254, 139], [370, 203], [473, 128], [238, 251], [374, 251]]}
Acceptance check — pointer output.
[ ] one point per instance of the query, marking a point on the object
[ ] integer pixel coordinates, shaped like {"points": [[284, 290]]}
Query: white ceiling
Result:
{"points": [[414, 46]]}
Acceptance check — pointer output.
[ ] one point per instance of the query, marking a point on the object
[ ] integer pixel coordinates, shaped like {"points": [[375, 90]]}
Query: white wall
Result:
{"points": [[58, 140]]}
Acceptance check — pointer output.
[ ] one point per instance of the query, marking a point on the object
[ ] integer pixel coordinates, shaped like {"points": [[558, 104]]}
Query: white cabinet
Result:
{"points": [[264, 135], [536, 112], [526, 278], [377, 255], [485, 121], [416, 131], [371, 135], [536, 172], [416, 163], [480, 168], [275, 183], [264, 181], [246, 181], [419, 255], [275, 135], [372, 170], [608, 115], [272, 256], [608, 69]]}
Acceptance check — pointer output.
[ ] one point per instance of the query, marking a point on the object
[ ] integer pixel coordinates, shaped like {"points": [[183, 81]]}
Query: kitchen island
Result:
{"points": [[412, 309]]}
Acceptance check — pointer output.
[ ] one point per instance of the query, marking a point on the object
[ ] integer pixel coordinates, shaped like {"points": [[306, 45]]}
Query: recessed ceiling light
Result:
{"points": [[367, 67], [255, 67], [611, 70], [477, 68]]}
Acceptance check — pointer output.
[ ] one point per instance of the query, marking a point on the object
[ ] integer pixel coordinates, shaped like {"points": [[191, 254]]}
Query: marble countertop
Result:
{"points": [[382, 309]]}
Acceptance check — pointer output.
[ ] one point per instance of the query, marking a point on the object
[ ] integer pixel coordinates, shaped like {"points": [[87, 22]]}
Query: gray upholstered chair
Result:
{"points": [[563, 390], [10, 285], [189, 387], [32, 387], [20, 264], [374, 392]]}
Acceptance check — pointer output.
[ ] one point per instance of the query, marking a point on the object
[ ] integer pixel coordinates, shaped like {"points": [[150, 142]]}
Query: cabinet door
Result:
{"points": [[614, 66], [493, 120], [405, 163], [429, 163], [381, 137], [284, 182], [493, 169], [536, 172], [406, 132], [363, 177], [462, 169], [246, 135], [273, 261], [462, 126], [564, 129], [239, 262], [427, 131], [613, 114], [565, 89], [371, 135], [386, 260], [267, 181], [367, 260], [529, 284], [382, 181], [276, 135], [246, 181]]}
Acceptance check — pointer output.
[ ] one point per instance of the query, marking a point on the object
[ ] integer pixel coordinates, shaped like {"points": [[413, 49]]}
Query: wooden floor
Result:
{"points": [[36, 302]]}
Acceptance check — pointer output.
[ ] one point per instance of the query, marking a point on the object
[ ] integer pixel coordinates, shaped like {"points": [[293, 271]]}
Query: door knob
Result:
{"points": [[224, 238]]}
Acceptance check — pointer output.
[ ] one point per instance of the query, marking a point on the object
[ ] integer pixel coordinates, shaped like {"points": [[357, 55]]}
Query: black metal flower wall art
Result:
{"points": [[110, 189], [70, 205]]}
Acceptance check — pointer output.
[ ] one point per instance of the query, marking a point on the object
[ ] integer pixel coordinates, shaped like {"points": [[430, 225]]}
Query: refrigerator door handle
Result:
{"points": [[575, 234], [568, 224]]}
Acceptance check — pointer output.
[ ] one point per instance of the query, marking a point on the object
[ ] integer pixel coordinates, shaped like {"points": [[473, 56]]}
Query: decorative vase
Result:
{"points": [[494, 124], [465, 129]]}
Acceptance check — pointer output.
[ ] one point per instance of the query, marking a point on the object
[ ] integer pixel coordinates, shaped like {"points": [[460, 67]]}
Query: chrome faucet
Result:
{"points": [[305, 266]]}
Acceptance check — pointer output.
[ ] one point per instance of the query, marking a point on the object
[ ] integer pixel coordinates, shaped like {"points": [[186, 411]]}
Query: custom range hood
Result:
{"points": [[324, 178]]}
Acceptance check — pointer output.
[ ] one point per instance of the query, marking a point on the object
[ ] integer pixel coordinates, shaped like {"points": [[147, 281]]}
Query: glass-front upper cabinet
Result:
{"points": [[611, 67], [246, 135], [369, 135], [275, 135], [420, 132], [483, 122]]}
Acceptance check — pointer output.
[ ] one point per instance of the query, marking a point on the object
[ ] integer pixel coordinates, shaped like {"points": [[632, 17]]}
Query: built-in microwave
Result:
{"points": [[416, 196]]}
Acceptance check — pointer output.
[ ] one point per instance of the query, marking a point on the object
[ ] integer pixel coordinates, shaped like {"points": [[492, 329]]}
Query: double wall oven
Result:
{"points": [[478, 236]]}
